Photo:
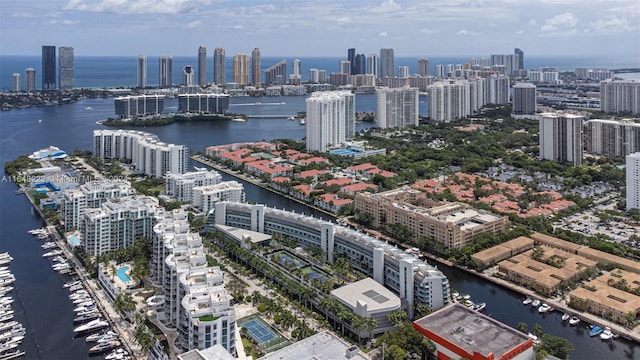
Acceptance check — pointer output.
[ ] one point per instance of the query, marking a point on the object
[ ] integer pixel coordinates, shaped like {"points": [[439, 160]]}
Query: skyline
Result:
{"points": [[286, 28]]}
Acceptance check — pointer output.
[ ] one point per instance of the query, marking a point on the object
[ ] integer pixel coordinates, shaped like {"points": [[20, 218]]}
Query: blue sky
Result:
{"points": [[324, 27]]}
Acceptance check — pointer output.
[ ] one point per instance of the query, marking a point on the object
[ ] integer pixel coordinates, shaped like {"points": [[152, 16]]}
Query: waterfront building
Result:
{"points": [[219, 66], [188, 76], [241, 69], [460, 332], [117, 223], [205, 197], [330, 119], [411, 279], [180, 186], [148, 155], [202, 66], [360, 65], [440, 71], [560, 137], [317, 76], [255, 67], [165, 71], [196, 306], [520, 54], [452, 224], [387, 66], [203, 103], [612, 138], [127, 107], [403, 72], [351, 58], [90, 195], [276, 74], [344, 67], [633, 180], [295, 78], [65, 74], [397, 107], [423, 67], [48, 68], [15, 82], [449, 100], [420, 82], [373, 65], [511, 63], [30, 79], [620, 96], [535, 76], [142, 72], [496, 90], [524, 99]]}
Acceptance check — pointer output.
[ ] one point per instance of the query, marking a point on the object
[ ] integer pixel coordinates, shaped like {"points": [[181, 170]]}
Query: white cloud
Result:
{"points": [[386, 6], [383, 34], [465, 32], [62, 22], [519, 32], [428, 31], [533, 22], [193, 25], [238, 27], [344, 20], [136, 6], [23, 15], [566, 19], [611, 24]]}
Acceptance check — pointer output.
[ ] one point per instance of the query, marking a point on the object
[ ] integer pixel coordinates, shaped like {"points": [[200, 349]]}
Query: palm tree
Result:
{"points": [[358, 323], [344, 315], [398, 317], [371, 323]]}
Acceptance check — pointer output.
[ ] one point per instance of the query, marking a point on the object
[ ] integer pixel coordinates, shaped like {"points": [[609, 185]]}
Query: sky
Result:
{"points": [[570, 28]]}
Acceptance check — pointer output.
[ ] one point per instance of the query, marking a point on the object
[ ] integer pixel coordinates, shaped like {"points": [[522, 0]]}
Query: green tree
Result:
{"points": [[556, 346], [398, 317]]}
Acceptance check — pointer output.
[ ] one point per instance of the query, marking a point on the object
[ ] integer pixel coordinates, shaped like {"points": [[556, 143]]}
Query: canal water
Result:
{"points": [[43, 306]]}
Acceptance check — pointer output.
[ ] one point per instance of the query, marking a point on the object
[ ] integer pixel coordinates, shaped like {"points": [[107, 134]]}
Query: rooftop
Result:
{"points": [[367, 291], [321, 346]]}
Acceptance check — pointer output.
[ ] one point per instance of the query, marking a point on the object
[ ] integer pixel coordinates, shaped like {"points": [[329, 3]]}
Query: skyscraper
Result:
{"points": [[387, 67], [30, 79], [351, 56], [277, 74], [520, 54], [15, 82], [202, 66], [218, 66], [511, 62], [373, 65], [524, 99], [397, 107], [142, 71], [620, 96], [360, 66], [633, 180], [612, 138], [49, 68], [329, 116], [188, 76], [560, 137], [296, 77], [423, 67], [345, 67], [449, 100], [255, 67], [241, 69], [165, 69], [403, 71], [65, 54]]}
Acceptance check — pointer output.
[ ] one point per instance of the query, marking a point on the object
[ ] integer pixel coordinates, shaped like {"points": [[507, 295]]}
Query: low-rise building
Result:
{"points": [[205, 197], [500, 252], [180, 186]]}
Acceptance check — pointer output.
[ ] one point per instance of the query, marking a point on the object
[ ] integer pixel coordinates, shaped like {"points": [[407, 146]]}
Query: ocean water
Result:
{"points": [[120, 71]]}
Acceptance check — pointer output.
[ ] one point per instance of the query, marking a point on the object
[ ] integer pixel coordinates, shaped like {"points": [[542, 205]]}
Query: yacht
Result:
{"points": [[574, 321], [480, 307], [535, 303], [526, 301], [607, 334], [544, 308], [595, 330], [238, 120], [101, 336], [116, 354], [536, 341], [104, 346], [72, 283], [9, 325], [565, 316], [52, 253], [87, 317], [91, 326]]}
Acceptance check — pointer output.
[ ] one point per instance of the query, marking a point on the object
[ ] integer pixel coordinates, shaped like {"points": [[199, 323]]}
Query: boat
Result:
{"points": [[52, 253], [526, 301], [99, 336], [238, 119], [574, 321], [595, 330], [544, 308], [607, 334], [291, 118], [104, 346], [535, 303], [565, 317], [88, 108], [88, 316], [11, 355], [480, 307], [302, 121], [91, 326], [116, 354], [9, 325], [72, 283]]}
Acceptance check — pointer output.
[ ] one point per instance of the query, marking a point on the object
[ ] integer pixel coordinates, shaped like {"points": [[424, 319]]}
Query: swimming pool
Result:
{"points": [[74, 241], [122, 274]]}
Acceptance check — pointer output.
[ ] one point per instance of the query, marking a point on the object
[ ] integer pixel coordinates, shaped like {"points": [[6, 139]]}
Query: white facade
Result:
{"points": [[397, 107], [496, 90], [561, 137], [330, 119], [142, 71], [205, 197], [449, 100], [373, 65], [620, 96], [16, 82], [633, 181], [148, 155], [90, 195], [612, 138], [180, 186]]}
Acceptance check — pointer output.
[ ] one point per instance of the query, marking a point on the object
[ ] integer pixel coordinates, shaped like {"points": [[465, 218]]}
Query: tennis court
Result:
{"points": [[259, 331], [262, 333]]}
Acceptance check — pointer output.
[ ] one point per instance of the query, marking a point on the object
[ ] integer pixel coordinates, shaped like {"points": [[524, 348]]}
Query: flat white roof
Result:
{"points": [[377, 297]]}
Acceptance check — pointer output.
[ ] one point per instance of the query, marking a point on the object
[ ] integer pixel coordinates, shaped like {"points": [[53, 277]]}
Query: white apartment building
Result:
{"points": [[612, 138], [620, 96], [118, 223], [180, 186], [496, 90], [205, 197], [330, 119], [149, 156], [89, 195], [633, 181], [560, 137], [397, 107], [524, 99], [449, 100]]}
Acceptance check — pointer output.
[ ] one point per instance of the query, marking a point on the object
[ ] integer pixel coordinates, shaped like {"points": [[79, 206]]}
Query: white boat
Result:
{"points": [[14, 339], [8, 346], [116, 354], [78, 287], [48, 245], [544, 308], [98, 336], [52, 253], [91, 326], [9, 325], [70, 284], [238, 119], [535, 303], [6, 317], [574, 321], [104, 346], [81, 300], [302, 121], [607, 334], [86, 317], [565, 316], [480, 307]]}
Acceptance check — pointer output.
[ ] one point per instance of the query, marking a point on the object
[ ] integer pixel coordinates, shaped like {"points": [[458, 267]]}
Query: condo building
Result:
{"points": [[127, 107], [30, 79], [524, 99], [423, 67], [255, 67], [219, 66], [89, 195], [317, 76], [205, 197], [496, 90], [330, 119], [276, 74], [149, 156], [612, 138], [202, 66], [560, 137], [165, 71], [49, 68], [411, 279], [449, 100], [620, 96], [180, 186], [241, 69], [633, 180], [15, 82], [188, 76], [142, 72], [387, 67], [397, 107], [509, 63], [65, 74], [203, 103]]}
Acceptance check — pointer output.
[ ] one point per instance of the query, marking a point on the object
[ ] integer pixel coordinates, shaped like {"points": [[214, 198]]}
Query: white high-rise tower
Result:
{"points": [[330, 119]]}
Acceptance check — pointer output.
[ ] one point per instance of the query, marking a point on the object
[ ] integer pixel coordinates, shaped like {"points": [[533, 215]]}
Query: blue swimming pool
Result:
{"points": [[122, 274], [74, 241]]}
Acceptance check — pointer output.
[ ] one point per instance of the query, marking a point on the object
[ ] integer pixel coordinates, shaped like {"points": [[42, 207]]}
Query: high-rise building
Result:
{"points": [[612, 138], [440, 71], [560, 137], [90, 195], [423, 67], [277, 74], [15, 82], [219, 66], [128, 107], [180, 186], [387, 67], [633, 180], [403, 71], [49, 68], [206, 196], [620, 96], [241, 69], [360, 64], [524, 99], [203, 103], [65, 54], [142, 71], [330, 119], [351, 57], [345, 67], [449, 100], [397, 107], [255, 67], [496, 90], [511, 62], [520, 54], [373, 65], [202, 66], [165, 71], [30, 79], [188, 76], [296, 67]]}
